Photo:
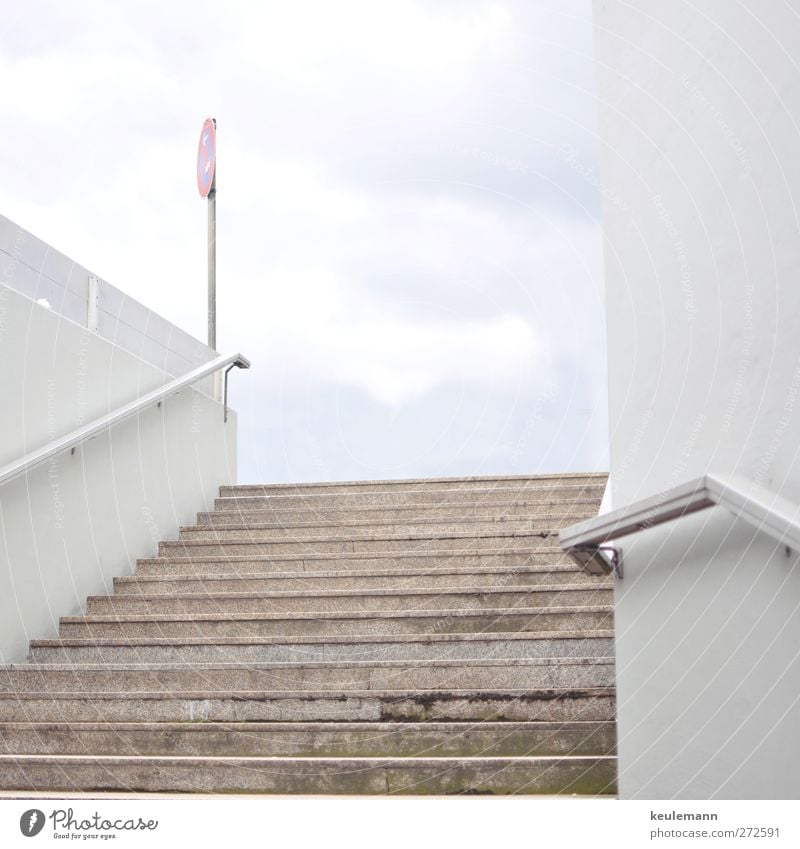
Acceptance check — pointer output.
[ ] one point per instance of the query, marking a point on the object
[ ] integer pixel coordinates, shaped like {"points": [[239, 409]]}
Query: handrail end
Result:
{"points": [[597, 559]]}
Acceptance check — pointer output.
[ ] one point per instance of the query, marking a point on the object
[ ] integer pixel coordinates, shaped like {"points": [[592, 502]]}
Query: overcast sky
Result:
{"points": [[408, 214]]}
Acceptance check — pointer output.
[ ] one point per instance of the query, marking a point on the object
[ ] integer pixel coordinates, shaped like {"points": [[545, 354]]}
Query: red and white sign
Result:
{"points": [[207, 157]]}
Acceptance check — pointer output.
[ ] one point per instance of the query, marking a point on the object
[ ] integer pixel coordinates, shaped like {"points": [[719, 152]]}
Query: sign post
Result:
{"points": [[207, 186]]}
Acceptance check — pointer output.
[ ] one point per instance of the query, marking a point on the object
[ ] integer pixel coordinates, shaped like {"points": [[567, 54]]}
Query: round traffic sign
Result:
{"points": [[207, 157]]}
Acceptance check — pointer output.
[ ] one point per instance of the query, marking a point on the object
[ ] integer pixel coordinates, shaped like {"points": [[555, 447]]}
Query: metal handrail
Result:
{"points": [[82, 434], [587, 542]]}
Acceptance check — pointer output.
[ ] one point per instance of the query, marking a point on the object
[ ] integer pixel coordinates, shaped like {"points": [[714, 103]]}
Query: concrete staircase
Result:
{"points": [[394, 637]]}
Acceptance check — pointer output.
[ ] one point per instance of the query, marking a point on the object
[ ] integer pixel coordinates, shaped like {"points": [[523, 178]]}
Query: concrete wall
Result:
{"points": [[700, 127], [32, 267], [74, 523]]}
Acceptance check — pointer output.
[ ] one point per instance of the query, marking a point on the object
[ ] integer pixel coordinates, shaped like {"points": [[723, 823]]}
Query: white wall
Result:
{"points": [[32, 267], [74, 523], [700, 127]]}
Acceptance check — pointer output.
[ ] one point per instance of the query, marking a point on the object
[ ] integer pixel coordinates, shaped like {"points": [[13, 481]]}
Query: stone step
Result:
{"points": [[508, 560], [428, 529], [165, 578], [413, 598], [413, 636], [398, 497], [311, 739], [316, 514], [375, 544], [344, 623], [545, 705], [542, 673], [406, 649], [361, 776], [524, 482]]}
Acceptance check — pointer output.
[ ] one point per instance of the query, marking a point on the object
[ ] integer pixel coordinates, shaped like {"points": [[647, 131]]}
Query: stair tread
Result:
{"points": [[353, 573], [419, 506], [590, 775], [352, 523], [452, 726], [319, 664], [358, 639], [386, 537], [307, 761], [509, 712], [348, 614], [365, 593], [600, 477], [246, 695], [360, 555]]}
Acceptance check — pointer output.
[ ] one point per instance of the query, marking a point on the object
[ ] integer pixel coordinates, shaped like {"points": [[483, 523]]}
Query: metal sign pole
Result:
{"points": [[207, 186], [212, 282], [212, 267]]}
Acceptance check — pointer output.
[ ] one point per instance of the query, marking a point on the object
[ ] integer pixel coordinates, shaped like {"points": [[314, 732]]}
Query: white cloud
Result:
{"points": [[56, 86], [309, 325], [285, 187], [301, 39], [394, 221], [401, 361]]}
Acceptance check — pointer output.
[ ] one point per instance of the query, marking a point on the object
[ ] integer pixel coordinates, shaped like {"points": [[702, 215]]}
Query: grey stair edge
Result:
{"points": [[591, 775], [545, 533], [209, 527], [408, 498], [411, 496], [354, 555], [554, 502], [504, 693], [371, 615], [564, 565], [364, 573], [516, 498], [375, 592], [433, 663], [486, 636], [301, 673], [309, 761], [344, 725], [397, 482]]}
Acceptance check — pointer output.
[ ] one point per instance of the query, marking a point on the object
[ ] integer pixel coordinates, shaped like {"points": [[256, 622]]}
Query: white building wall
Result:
{"points": [[72, 524], [699, 113], [36, 269]]}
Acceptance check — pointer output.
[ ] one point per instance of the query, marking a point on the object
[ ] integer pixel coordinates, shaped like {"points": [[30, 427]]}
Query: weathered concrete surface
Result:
{"points": [[346, 623], [554, 705], [256, 531], [418, 541], [540, 484], [372, 600], [340, 776], [508, 559], [510, 646], [428, 511], [309, 739], [368, 638], [377, 675]]}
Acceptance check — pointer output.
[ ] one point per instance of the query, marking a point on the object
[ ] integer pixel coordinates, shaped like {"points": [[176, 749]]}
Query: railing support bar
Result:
{"points": [[225, 393], [763, 509], [77, 437]]}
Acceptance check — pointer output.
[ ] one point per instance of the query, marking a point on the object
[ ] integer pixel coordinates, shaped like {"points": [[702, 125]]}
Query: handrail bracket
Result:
{"points": [[77, 437], [598, 559], [591, 543], [242, 362]]}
